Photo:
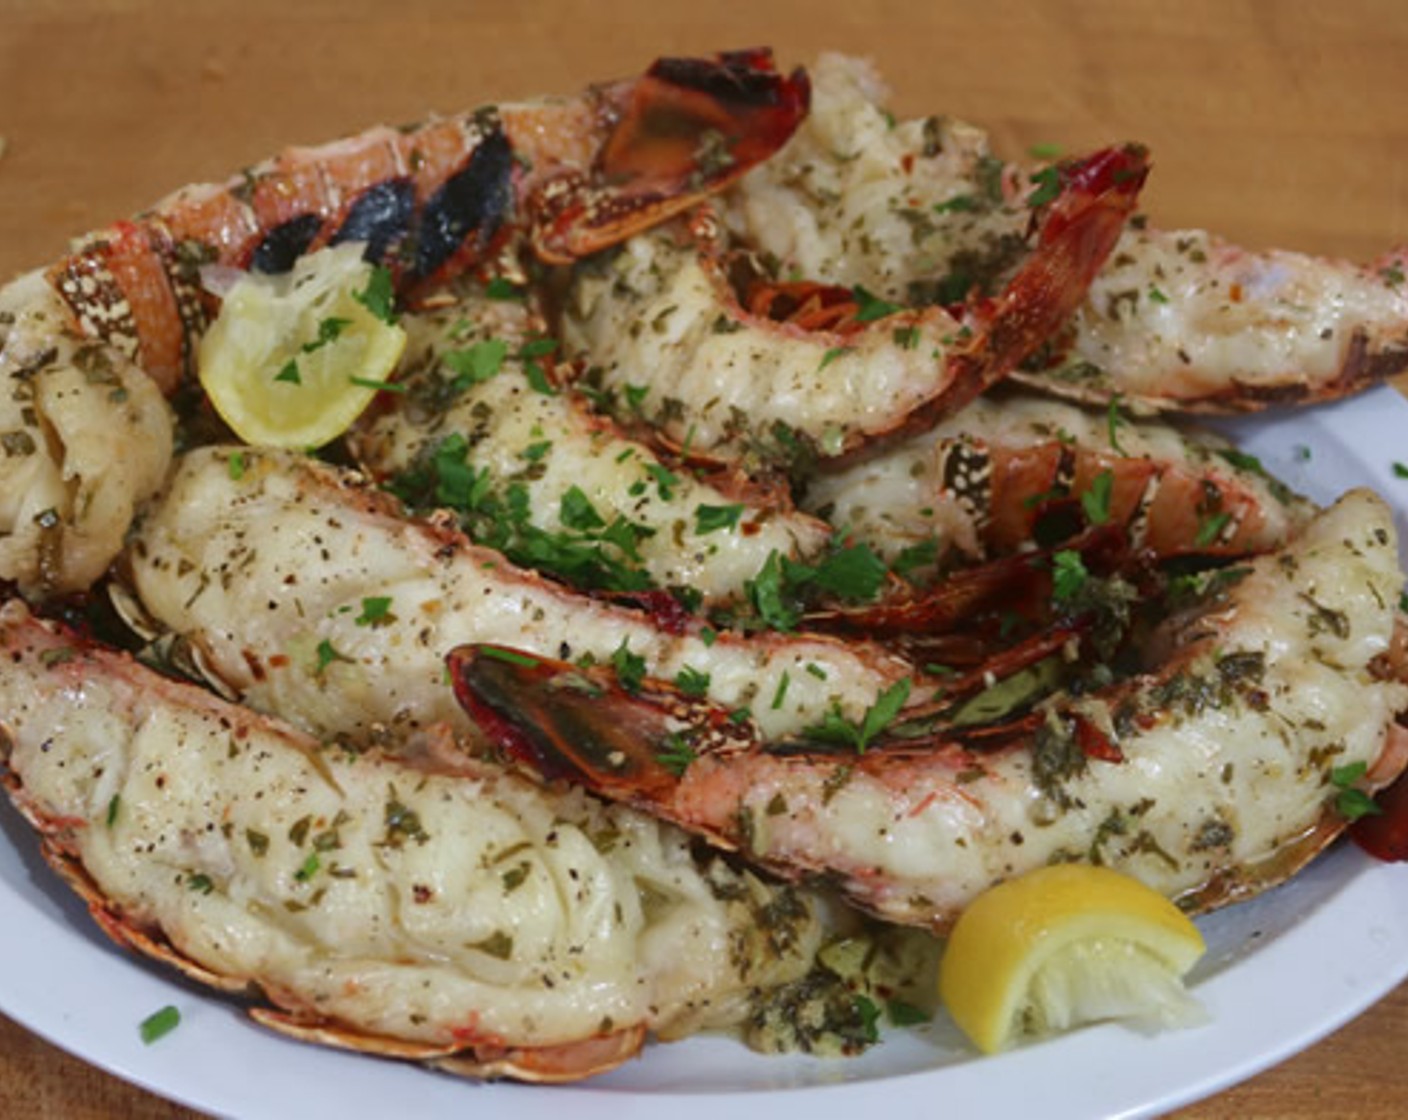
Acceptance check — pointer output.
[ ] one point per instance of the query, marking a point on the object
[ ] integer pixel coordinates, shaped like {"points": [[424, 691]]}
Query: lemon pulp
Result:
{"points": [[1065, 945], [293, 359]]}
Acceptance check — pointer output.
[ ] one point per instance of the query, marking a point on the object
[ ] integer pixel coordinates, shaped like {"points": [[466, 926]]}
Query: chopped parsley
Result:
{"points": [[665, 480], [528, 354], [692, 681], [836, 728], [501, 287], [852, 573], [328, 329], [630, 667], [779, 696], [476, 364], [1113, 422], [587, 551], [710, 519], [326, 655], [1048, 186], [1351, 801], [289, 374], [870, 307], [1068, 575], [1096, 501], [676, 754], [958, 204], [159, 1024], [376, 611], [1210, 528], [379, 296]]}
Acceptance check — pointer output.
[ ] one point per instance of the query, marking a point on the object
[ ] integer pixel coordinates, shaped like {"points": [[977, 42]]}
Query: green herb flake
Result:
{"points": [[869, 1014], [630, 667], [1352, 802], [509, 656], [200, 883], [836, 728], [958, 204], [1400, 471], [1045, 151], [401, 822], [906, 338], [913, 557], [576, 511], [289, 373], [1114, 419], [328, 330], [309, 867], [500, 287], [326, 654], [676, 754], [779, 696], [159, 1024], [1068, 574], [379, 386], [379, 295], [1048, 187], [476, 364], [692, 681], [903, 1014], [1210, 529], [236, 465], [1096, 501], [665, 480], [831, 355], [376, 611], [710, 519], [114, 804], [528, 354], [870, 307]]}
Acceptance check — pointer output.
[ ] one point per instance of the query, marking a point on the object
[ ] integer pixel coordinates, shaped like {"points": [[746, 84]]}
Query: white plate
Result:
{"points": [[1281, 972]]}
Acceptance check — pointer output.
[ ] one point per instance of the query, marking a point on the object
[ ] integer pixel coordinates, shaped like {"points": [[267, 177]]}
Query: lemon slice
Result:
{"points": [[1065, 945], [293, 359]]}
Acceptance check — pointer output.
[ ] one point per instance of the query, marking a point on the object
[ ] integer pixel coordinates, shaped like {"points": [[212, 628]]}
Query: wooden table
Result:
{"points": [[1276, 124]]}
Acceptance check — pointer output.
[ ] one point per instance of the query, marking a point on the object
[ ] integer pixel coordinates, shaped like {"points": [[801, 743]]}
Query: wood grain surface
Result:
{"points": [[1279, 124]]}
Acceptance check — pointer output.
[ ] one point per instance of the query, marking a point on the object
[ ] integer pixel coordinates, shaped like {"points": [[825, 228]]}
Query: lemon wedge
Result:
{"points": [[292, 360], [1066, 945]]}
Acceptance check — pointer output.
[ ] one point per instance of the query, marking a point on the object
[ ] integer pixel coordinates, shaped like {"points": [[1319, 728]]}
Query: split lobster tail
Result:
{"points": [[435, 200]]}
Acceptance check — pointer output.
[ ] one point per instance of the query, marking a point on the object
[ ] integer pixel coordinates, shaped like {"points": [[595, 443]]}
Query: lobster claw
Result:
{"points": [[688, 127]]}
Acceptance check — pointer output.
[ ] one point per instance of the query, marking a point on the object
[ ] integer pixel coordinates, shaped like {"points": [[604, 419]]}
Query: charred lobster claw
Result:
{"points": [[687, 128]]}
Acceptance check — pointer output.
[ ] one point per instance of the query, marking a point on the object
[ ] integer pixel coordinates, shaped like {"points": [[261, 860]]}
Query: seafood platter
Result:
{"points": [[593, 590]]}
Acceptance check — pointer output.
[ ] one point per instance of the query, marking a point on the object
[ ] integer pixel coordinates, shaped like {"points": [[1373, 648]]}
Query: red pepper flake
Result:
{"points": [[1094, 743]]}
